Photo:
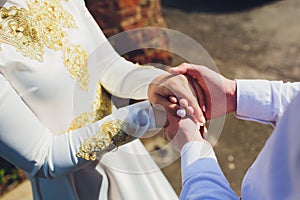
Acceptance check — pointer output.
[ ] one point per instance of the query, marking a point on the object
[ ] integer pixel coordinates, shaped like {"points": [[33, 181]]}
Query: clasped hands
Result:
{"points": [[197, 90]]}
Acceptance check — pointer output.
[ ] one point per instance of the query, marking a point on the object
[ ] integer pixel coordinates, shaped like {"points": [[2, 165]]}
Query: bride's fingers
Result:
{"points": [[173, 99], [168, 105], [190, 110], [186, 109], [188, 101], [197, 114], [183, 103]]}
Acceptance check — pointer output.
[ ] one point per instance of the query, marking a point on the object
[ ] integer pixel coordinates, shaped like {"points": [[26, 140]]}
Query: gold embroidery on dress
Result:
{"points": [[110, 135], [101, 107], [18, 29], [43, 24], [75, 61]]}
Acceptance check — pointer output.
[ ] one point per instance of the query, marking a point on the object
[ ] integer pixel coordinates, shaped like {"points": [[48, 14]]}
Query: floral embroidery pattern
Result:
{"points": [[42, 25], [75, 61], [111, 134], [22, 32], [101, 107]]}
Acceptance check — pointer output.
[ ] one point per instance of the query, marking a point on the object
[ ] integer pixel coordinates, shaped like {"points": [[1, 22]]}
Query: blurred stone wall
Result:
{"points": [[115, 16]]}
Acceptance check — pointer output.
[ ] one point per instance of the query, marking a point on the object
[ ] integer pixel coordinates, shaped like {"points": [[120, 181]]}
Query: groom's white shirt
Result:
{"points": [[275, 174]]}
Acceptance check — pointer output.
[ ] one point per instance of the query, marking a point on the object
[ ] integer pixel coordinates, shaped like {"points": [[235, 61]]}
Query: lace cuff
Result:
{"points": [[111, 134]]}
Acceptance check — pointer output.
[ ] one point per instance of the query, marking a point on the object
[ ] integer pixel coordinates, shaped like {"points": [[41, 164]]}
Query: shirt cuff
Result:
{"points": [[195, 150], [254, 100]]}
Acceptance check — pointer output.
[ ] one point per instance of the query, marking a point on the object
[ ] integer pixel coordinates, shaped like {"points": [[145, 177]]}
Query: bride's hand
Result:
{"points": [[167, 85], [181, 131]]}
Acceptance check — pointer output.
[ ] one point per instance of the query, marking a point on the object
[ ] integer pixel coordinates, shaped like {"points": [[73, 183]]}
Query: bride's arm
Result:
{"points": [[127, 80], [29, 145], [119, 76]]}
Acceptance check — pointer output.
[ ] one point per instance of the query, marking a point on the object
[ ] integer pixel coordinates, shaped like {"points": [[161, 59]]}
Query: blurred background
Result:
{"points": [[246, 39]]}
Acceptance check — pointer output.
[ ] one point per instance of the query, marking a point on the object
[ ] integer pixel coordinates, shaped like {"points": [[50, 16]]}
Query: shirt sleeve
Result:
{"points": [[119, 76], [264, 101], [32, 147], [202, 177], [275, 173]]}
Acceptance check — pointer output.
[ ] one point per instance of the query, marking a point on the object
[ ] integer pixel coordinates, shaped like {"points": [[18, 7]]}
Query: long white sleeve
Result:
{"points": [[264, 101], [29, 145], [45, 93], [119, 76]]}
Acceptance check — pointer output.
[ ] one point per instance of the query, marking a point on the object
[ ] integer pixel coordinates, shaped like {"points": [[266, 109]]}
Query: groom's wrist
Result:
{"points": [[231, 97]]}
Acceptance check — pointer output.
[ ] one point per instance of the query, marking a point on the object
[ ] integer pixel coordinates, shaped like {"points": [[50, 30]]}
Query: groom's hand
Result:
{"points": [[219, 92], [168, 85]]}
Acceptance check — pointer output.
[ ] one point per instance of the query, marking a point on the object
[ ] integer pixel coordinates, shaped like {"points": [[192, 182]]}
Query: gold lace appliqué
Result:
{"points": [[101, 107], [75, 60], [22, 32], [42, 25], [110, 135]]}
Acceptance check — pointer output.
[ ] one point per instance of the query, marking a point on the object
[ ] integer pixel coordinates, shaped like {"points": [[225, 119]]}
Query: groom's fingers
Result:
{"points": [[199, 94], [181, 69], [188, 69]]}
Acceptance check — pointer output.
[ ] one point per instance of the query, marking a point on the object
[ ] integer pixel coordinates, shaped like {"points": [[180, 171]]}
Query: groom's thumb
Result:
{"points": [[181, 69]]}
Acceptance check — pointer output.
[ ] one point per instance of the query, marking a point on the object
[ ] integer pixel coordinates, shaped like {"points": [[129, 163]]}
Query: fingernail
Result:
{"points": [[181, 112], [203, 108], [183, 102], [173, 99], [203, 119], [190, 110]]}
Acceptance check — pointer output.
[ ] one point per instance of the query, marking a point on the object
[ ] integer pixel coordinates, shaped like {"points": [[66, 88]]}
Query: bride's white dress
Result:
{"points": [[49, 52]]}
